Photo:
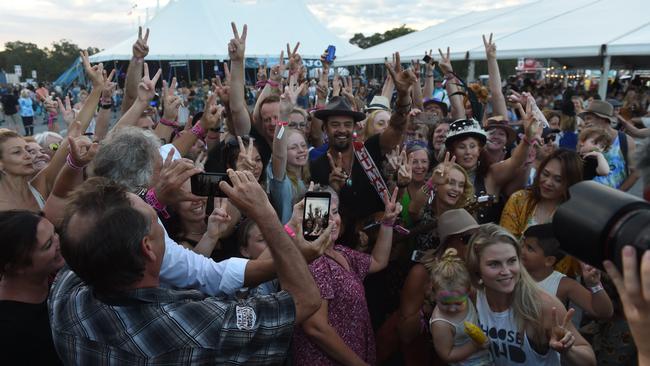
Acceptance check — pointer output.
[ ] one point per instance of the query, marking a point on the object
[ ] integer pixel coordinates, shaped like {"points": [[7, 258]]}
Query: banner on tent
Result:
{"points": [[256, 62]]}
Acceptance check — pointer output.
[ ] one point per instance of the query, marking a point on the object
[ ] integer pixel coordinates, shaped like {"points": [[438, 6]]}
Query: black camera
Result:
{"points": [[598, 221]]}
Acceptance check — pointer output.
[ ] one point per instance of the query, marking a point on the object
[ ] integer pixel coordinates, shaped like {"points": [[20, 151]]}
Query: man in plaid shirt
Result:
{"points": [[108, 308]]}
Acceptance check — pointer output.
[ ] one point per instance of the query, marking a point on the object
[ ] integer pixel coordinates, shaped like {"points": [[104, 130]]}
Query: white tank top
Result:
{"points": [[509, 346], [552, 282]]}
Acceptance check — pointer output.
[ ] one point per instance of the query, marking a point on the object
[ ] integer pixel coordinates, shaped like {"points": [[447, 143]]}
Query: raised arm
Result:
{"points": [[241, 120], [134, 70], [403, 80], [210, 119], [455, 95], [497, 98], [71, 175], [291, 268], [103, 118], [416, 90], [273, 85], [171, 102], [146, 93], [504, 171], [381, 251], [597, 304], [287, 103], [428, 77]]}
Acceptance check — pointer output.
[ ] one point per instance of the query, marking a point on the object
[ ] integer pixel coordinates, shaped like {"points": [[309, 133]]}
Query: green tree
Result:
{"points": [[49, 63], [364, 42], [27, 55]]}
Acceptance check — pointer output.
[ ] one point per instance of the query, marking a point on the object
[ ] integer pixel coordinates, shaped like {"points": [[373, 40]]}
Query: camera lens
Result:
{"points": [[597, 221]]}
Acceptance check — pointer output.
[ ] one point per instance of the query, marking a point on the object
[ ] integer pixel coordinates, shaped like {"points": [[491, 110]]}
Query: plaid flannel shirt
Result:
{"points": [[155, 326]]}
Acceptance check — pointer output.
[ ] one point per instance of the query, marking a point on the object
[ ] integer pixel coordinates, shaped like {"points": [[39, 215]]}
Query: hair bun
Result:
{"points": [[450, 254]]}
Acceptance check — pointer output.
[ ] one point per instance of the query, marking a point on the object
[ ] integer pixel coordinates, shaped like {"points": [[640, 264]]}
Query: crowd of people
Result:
{"points": [[437, 247]]}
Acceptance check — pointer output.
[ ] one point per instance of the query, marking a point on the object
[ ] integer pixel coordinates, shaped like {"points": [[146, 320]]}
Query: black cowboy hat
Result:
{"points": [[339, 106]]}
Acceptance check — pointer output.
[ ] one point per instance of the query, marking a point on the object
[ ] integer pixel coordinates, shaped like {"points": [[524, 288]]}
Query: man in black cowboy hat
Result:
{"points": [[620, 156], [340, 169]]}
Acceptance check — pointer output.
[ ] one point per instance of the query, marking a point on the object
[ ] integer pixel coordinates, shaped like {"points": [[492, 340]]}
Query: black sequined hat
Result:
{"points": [[463, 128]]}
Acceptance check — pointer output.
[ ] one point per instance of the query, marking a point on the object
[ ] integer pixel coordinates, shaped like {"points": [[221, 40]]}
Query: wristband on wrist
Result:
{"points": [[450, 76], [72, 164], [199, 131], [388, 223], [429, 75], [599, 287], [169, 123], [152, 200], [273, 84], [283, 123], [289, 231]]}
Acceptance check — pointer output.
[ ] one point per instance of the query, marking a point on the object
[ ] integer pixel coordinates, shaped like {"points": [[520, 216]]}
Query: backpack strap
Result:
{"points": [[622, 140]]}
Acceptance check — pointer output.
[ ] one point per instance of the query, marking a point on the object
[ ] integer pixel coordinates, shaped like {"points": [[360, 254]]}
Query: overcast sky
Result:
{"points": [[102, 23]]}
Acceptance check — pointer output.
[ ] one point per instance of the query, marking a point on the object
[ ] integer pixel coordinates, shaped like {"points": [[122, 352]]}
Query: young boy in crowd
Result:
{"points": [[592, 143], [541, 251]]}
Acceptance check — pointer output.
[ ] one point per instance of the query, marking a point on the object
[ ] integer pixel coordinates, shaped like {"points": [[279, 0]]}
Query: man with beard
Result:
{"points": [[340, 169]]}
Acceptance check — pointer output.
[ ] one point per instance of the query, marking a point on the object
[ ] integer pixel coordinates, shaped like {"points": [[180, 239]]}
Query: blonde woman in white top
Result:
{"points": [[525, 325]]}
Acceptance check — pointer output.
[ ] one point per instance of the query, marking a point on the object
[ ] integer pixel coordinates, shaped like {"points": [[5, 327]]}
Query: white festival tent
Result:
{"points": [[577, 33], [200, 30]]}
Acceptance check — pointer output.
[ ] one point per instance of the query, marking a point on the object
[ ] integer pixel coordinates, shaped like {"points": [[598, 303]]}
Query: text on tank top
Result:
{"points": [[508, 345]]}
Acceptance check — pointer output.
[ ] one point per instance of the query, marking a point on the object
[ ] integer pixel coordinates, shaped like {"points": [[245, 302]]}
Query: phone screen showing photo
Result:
{"points": [[316, 216]]}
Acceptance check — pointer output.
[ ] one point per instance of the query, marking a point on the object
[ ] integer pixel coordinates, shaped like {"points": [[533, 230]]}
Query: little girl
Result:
{"points": [[451, 285]]}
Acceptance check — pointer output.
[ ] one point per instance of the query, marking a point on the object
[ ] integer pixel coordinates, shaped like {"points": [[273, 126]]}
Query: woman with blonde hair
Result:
{"points": [[376, 122], [525, 325]]}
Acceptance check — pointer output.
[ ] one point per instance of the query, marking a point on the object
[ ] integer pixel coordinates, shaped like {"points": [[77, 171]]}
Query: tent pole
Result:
{"points": [[202, 77], [604, 77], [470, 71], [189, 76]]}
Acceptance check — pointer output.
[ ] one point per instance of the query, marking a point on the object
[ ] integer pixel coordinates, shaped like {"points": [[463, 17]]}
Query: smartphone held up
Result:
{"points": [[316, 214], [207, 184]]}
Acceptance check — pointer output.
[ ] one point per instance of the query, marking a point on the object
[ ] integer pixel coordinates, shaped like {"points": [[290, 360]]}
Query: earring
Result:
{"points": [[480, 281]]}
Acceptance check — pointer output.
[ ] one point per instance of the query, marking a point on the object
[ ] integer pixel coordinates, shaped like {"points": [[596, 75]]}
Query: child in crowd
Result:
{"points": [[592, 143], [541, 250], [451, 285]]}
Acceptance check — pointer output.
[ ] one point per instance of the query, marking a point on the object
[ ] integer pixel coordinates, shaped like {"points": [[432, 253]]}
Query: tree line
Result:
{"points": [[49, 62]]}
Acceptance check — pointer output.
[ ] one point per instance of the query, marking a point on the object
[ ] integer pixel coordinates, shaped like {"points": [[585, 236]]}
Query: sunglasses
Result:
{"points": [[549, 138]]}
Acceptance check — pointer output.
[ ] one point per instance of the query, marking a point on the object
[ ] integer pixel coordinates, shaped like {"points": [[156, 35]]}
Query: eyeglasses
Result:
{"points": [[54, 146]]}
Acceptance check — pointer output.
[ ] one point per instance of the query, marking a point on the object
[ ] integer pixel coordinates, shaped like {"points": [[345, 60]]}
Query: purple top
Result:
{"points": [[347, 309]]}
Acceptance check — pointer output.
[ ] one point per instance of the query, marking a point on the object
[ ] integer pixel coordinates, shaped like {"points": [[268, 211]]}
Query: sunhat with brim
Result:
{"points": [[463, 128], [500, 122], [600, 108], [440, 103], [456, 221], [378, 102], [338, 107]]}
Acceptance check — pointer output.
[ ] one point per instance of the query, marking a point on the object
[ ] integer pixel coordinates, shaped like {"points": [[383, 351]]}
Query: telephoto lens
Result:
{"points": [[597, 221]]}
